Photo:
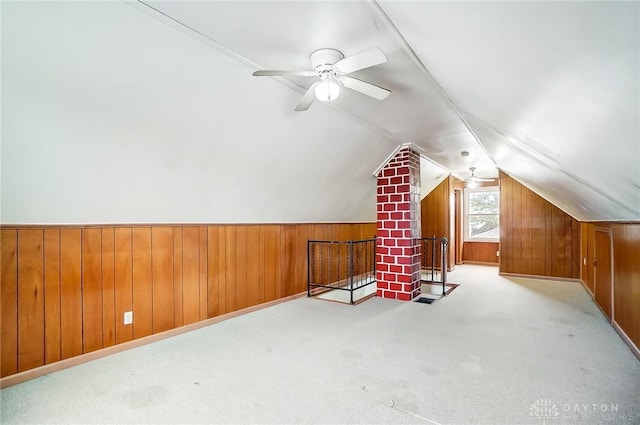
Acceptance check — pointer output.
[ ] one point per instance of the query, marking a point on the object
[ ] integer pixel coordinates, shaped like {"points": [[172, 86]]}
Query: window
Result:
{"points": [[482, 214]]}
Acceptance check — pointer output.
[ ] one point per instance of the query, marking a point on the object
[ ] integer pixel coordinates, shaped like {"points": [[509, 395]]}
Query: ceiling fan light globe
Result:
{"points": [[327, 91], [472, 183]]}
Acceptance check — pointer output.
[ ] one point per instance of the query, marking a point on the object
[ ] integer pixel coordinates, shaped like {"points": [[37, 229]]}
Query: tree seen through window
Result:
{"points": [[483, 213]]}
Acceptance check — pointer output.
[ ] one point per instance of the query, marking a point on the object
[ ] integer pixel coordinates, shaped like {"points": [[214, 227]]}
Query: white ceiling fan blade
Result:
{"points": [[269, 73], [365, 59], [307, 99], [365, 88]]}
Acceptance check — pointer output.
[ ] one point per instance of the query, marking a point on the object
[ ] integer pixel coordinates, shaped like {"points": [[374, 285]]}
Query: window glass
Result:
{"points": [[482, 218]]}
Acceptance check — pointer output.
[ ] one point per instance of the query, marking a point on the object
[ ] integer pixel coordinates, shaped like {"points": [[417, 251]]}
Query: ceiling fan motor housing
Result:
{"points": [[322, 60]]}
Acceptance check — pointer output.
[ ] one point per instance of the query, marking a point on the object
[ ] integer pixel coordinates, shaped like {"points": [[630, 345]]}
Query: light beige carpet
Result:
{"points": [[496, 351]]}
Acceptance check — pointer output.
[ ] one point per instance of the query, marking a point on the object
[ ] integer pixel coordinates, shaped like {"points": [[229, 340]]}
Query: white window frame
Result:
{"points": [[465, 221]]}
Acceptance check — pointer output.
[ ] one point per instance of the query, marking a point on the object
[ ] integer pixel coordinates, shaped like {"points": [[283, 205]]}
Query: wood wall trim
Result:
{"points": [[584, 284], [98, 354], [480, 263], [13, 226], [535, 276], [634, 348]]}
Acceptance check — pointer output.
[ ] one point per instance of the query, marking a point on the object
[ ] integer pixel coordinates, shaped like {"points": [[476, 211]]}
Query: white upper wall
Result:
{"points": [[110, 116], [116, 112]]}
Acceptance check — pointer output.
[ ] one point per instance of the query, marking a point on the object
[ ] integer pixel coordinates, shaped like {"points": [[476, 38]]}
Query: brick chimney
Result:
{"points": [[398, 230]]}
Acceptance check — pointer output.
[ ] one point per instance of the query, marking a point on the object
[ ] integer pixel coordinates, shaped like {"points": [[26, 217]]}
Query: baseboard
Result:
{"points": [[27, 375], [535, 276], [584, 284], [480, 263], [634, 348]]}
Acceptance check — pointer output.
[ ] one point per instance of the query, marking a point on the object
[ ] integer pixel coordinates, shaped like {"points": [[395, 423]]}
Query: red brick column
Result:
{"points": [[398, 247]]}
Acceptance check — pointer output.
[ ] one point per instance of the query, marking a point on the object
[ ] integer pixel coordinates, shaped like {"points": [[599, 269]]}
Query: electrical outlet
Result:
{"points": [[497, 253], [128, 317]]}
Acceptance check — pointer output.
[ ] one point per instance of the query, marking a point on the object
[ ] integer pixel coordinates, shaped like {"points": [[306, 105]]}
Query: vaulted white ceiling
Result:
{"points": [[148, 111]]}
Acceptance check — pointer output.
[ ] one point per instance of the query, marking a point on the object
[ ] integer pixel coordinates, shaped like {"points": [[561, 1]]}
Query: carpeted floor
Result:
{"points": [[495, 351]]}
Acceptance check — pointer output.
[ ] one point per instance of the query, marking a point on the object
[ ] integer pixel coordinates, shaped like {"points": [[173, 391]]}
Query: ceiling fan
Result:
{"points": [[330, 67], [472, 181]]}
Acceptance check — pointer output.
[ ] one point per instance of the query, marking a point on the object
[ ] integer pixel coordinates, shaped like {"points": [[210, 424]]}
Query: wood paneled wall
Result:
{"points": [[439, 219], [435, 209], [65, 289], [438, 215], [626, 273], [536, 238], [480, 252]]}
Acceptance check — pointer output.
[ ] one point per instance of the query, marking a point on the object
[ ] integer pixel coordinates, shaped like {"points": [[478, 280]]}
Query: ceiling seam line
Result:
{"points": [[425, 71]]}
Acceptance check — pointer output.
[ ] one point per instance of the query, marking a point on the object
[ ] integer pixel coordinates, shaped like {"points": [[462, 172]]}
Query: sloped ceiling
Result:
{"points": [[120, 112], [551, 90]]}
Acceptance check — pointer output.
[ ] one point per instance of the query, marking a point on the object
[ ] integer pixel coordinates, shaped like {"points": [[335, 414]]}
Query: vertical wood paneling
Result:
{"points": [[123, 269], [345, 234], [191, 274], [287, 254], [240, 267], [575, 257], [626, 246], [548, 239], [568, 244], [451, 222], [538, 240], [222, 269], [603, 244], [626, 272], [9, 296], [542, 240], [516, 227], [584, 244], [108, 288], [512, 253], [505, 248], [301, 236], [178, 318], [213, 249], [70, 292], [254, 261], [273, 283], [52, 350], [484, 252], [30, 299], [278, 263], [526, 240], [142, 282], [230, 268], [559, 243], [589, 255], [162, 269], [592, 250], [438, 215], [204, 292], [438, 211], [92, 289], [65, 290], [261, 263]]}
